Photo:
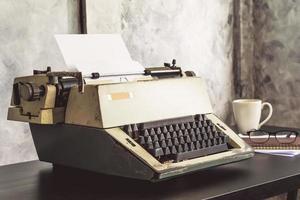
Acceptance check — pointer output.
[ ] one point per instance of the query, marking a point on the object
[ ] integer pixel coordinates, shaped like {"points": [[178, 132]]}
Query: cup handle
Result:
{"points": [[269, 115]]}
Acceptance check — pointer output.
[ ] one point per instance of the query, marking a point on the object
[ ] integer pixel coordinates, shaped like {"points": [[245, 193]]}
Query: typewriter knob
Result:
{"points": [[31, 92], [190, 73], [174, 63]]}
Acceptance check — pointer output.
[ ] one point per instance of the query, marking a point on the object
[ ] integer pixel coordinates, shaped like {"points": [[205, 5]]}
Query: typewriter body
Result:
{"points": [[153, 128]]}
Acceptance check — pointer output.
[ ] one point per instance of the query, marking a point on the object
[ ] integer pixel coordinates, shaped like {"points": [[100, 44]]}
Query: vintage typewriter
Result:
{"points": [[158, 126]]}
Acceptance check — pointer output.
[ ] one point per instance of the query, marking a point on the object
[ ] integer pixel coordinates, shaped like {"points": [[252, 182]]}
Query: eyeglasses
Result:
{"points": [[282, 136]]}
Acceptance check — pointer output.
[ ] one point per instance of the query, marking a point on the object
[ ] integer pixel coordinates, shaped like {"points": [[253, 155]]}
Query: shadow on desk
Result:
{"points": [[69, 183]]}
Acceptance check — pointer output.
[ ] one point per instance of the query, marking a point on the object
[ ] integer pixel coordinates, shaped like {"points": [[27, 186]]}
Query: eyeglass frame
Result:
{"points": [[273, 133]]}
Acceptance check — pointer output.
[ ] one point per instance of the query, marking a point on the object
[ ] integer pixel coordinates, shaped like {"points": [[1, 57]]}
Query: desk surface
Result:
{"points": [[255, 178]]}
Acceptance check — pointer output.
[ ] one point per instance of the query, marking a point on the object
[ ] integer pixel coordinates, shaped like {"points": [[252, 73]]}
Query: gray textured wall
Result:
{"points": [[27, 42], [196, 32], [277, 58], [271, 47]]}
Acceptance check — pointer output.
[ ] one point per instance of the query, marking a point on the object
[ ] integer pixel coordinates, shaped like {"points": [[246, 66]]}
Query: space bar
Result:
{"points": [[200, 152]]}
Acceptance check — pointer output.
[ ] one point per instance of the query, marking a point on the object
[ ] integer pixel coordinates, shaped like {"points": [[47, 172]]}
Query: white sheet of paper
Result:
{"points": [[103, 53], [288, 153]]}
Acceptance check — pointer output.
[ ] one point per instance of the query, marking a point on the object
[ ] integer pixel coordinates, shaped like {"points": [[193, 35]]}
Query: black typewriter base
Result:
{"points": [[88, 149]]}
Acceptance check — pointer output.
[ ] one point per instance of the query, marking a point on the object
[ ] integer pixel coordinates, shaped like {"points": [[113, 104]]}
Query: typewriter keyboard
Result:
{"points": [[179, 139]]}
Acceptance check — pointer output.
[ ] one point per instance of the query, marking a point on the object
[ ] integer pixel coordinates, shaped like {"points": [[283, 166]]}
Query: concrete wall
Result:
{"points": [[273, 58], [198, 33], [277, 58], [27, 42]]}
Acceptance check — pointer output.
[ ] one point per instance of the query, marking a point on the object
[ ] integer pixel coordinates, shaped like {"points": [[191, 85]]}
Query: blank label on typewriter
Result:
{"points": [[120, 95]]}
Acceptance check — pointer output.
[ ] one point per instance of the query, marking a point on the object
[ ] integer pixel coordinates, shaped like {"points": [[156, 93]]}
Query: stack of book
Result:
{"points": [[272, 145]]}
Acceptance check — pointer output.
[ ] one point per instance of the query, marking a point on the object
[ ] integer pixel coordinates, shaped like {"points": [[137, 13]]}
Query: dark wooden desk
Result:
{"points": [[260, 177]]}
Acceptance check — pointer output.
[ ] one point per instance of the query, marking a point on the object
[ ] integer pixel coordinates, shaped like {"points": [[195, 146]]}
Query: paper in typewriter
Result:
{"points": [[103, 53]]}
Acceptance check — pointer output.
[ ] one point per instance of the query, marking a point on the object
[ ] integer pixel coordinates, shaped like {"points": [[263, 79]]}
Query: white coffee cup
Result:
{"points": [[247, 114]]}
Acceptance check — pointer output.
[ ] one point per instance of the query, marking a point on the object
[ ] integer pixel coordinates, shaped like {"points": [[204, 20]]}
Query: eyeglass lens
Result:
{"points": [[259, 136], [286, 137]]}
